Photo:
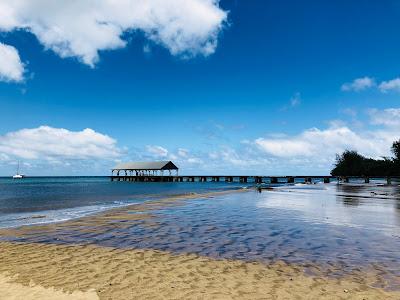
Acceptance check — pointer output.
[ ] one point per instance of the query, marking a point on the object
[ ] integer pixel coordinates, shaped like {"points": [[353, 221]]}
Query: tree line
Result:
{"points": [[351, 163]]}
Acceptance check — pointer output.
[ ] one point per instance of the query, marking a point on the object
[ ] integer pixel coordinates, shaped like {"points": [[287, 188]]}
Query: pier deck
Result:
{"points": [[248, 179]]}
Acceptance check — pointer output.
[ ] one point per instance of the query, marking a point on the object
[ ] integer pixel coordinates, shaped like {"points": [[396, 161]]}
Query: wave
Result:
{"points": [[53, 216]]}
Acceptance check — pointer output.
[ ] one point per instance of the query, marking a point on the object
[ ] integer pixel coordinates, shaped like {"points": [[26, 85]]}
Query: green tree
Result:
{"points": [[396, 149], [349, 163]]}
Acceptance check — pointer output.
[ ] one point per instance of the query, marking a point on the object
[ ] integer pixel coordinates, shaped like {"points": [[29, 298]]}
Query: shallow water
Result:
{"points": [[335, 229], [37, 200]]}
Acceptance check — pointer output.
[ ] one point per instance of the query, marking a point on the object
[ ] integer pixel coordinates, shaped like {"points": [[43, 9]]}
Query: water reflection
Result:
{"points": [[351, 201], [362, 206]]}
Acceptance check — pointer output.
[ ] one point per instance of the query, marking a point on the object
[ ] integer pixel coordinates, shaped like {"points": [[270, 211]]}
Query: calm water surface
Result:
{"points": [[36, 200]]}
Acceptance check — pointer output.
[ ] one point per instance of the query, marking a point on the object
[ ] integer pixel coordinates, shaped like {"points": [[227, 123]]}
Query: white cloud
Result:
{"points": [[230, 156], [11, 66], [390, 85], [359, 84], [157, 151], [284, 147], [364, 83], [183, 152], [323, 144], [194, 160], [55, 144], [388, 117], [242, 159], [182, 156], [83, 28]]}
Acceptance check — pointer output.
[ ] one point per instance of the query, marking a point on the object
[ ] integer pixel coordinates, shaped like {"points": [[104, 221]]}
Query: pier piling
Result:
{"points": [[243, 178]]}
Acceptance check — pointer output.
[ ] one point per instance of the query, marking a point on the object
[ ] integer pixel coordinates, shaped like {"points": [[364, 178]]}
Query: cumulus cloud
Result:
{"points": [[324, 144], [11, 66], [83, 28], [55, 144], [364, 83], [359, 84], [390, 85], [284, 147]]}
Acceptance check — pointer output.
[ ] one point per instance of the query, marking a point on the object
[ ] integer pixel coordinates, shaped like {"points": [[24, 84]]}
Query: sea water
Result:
{"points": [[38, 200]]}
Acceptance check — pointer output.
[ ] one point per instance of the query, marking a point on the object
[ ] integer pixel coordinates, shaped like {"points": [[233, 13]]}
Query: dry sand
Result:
{"points": [[16, 291], [40, 271]]}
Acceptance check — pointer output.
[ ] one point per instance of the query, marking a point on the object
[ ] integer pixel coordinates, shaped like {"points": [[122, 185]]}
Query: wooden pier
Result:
{"points": [[250, 179], [154, 172]]}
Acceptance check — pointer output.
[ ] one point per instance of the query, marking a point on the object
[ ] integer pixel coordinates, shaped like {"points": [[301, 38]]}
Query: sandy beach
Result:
{"points": [[38, 271]]}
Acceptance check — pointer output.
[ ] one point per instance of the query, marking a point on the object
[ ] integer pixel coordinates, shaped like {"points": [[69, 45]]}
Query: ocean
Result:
{"points": [[38, 200]]}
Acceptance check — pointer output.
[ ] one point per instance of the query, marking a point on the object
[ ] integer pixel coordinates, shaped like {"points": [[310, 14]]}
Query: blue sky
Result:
{"points": [[256, 87]]}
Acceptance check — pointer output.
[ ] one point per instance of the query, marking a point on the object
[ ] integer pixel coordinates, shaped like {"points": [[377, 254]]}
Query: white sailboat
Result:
{"points": [[18, 176]]}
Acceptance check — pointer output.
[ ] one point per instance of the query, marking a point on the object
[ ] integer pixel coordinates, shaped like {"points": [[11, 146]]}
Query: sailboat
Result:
{"points": [[18, 176]]}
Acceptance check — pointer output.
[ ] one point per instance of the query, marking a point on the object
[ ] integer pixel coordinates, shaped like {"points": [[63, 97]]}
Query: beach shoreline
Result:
{"points": [[40, 217], [47, 262]]}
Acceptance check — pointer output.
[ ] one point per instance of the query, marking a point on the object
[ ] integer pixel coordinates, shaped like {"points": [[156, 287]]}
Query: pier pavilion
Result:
{"points": [[150, 168]]}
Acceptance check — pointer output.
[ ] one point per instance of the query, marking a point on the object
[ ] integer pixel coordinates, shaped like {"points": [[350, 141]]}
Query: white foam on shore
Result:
{"points": [[53, 216]]}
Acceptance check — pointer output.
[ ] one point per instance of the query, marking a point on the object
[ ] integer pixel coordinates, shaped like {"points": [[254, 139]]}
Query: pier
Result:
{"points": [[222, 178], [251, 179], [162, 171]]}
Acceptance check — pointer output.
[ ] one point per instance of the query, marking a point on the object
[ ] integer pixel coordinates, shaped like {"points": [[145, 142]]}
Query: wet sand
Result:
{"points": [[40, 271]]}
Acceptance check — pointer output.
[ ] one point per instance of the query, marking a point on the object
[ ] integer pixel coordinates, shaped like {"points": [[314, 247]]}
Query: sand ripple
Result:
{"points": [[147, 274]]}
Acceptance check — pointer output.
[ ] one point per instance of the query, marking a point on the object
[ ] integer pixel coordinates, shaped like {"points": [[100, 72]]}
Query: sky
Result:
{"points": [[219, 87]]}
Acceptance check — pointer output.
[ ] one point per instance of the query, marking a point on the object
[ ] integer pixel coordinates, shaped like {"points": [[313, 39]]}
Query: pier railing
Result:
{"points": [[252, 179]]}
